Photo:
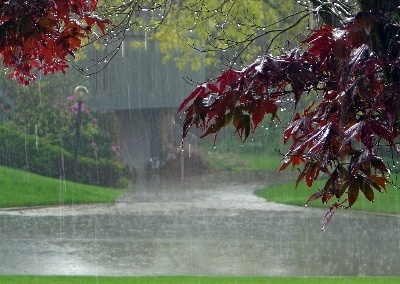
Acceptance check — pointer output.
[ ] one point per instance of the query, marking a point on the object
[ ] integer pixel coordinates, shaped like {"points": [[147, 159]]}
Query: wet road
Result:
{"points": [[204, 230]]}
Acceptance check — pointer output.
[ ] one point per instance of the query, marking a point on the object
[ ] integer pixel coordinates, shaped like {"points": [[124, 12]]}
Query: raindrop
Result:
{"points": [[36, 136]]}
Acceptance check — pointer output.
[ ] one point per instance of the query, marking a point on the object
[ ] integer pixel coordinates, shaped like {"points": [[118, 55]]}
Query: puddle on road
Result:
{"points": [[197, 231]]}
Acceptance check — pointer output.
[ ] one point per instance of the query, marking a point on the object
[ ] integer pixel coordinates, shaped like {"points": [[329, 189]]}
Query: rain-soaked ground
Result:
{"points": [[204, 229]]}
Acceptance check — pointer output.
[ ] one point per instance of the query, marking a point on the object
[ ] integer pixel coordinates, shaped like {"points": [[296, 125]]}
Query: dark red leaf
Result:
{"points": [[294, 160], [312, 173], [329, 214], [227, 78], [243, 126], [218, 124], [328, 190], [379, 129], [302, 174], [378, 164], [340, 188], [378, 182], [328, 217], [366, 189], [319, 139], [352, 132], [313, 197], [353, 190], [212, 87], [198, 92], [260, 108]]}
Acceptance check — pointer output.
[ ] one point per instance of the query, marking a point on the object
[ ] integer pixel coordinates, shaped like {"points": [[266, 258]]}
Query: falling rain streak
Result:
{"points": [[188, 205]]}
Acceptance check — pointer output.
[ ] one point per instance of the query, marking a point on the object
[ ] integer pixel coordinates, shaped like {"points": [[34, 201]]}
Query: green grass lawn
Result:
{"points": [[196, 280], [386, 202], [19, 188], [243, 161]]}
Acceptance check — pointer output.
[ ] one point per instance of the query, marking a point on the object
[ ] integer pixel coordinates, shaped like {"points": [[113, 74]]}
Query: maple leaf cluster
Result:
{"points": [[339, 134], [40, 34]]}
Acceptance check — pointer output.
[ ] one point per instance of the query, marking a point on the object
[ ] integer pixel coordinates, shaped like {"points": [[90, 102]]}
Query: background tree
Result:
{"points": [[39, 38], [47, 110], [350, 66], [224, 30], [38, 128]]}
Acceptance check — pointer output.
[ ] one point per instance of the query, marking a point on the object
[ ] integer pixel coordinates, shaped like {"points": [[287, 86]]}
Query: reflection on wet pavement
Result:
{"points": [[200, 230]]}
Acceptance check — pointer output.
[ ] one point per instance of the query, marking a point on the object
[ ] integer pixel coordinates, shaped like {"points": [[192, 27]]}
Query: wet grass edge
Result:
{"points": [[24, 189], [385, 202]]}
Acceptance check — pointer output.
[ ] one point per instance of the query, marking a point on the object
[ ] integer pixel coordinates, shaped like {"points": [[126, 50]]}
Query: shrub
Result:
{"points": [[27, 152]]}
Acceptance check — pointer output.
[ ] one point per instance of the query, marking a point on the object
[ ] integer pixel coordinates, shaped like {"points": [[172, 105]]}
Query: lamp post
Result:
{"points": [[81, 93]]}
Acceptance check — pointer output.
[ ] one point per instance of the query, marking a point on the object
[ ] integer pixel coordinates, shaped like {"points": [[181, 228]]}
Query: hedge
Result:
{"points": [[25, 152]]}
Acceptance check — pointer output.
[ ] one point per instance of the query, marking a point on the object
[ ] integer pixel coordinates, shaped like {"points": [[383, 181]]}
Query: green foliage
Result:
{"points": [[28, 152], [20, 189], [25, 152], [47, 110], [223, 28], [37, 107], [94, 140], [103, 171], [44, 109]]}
